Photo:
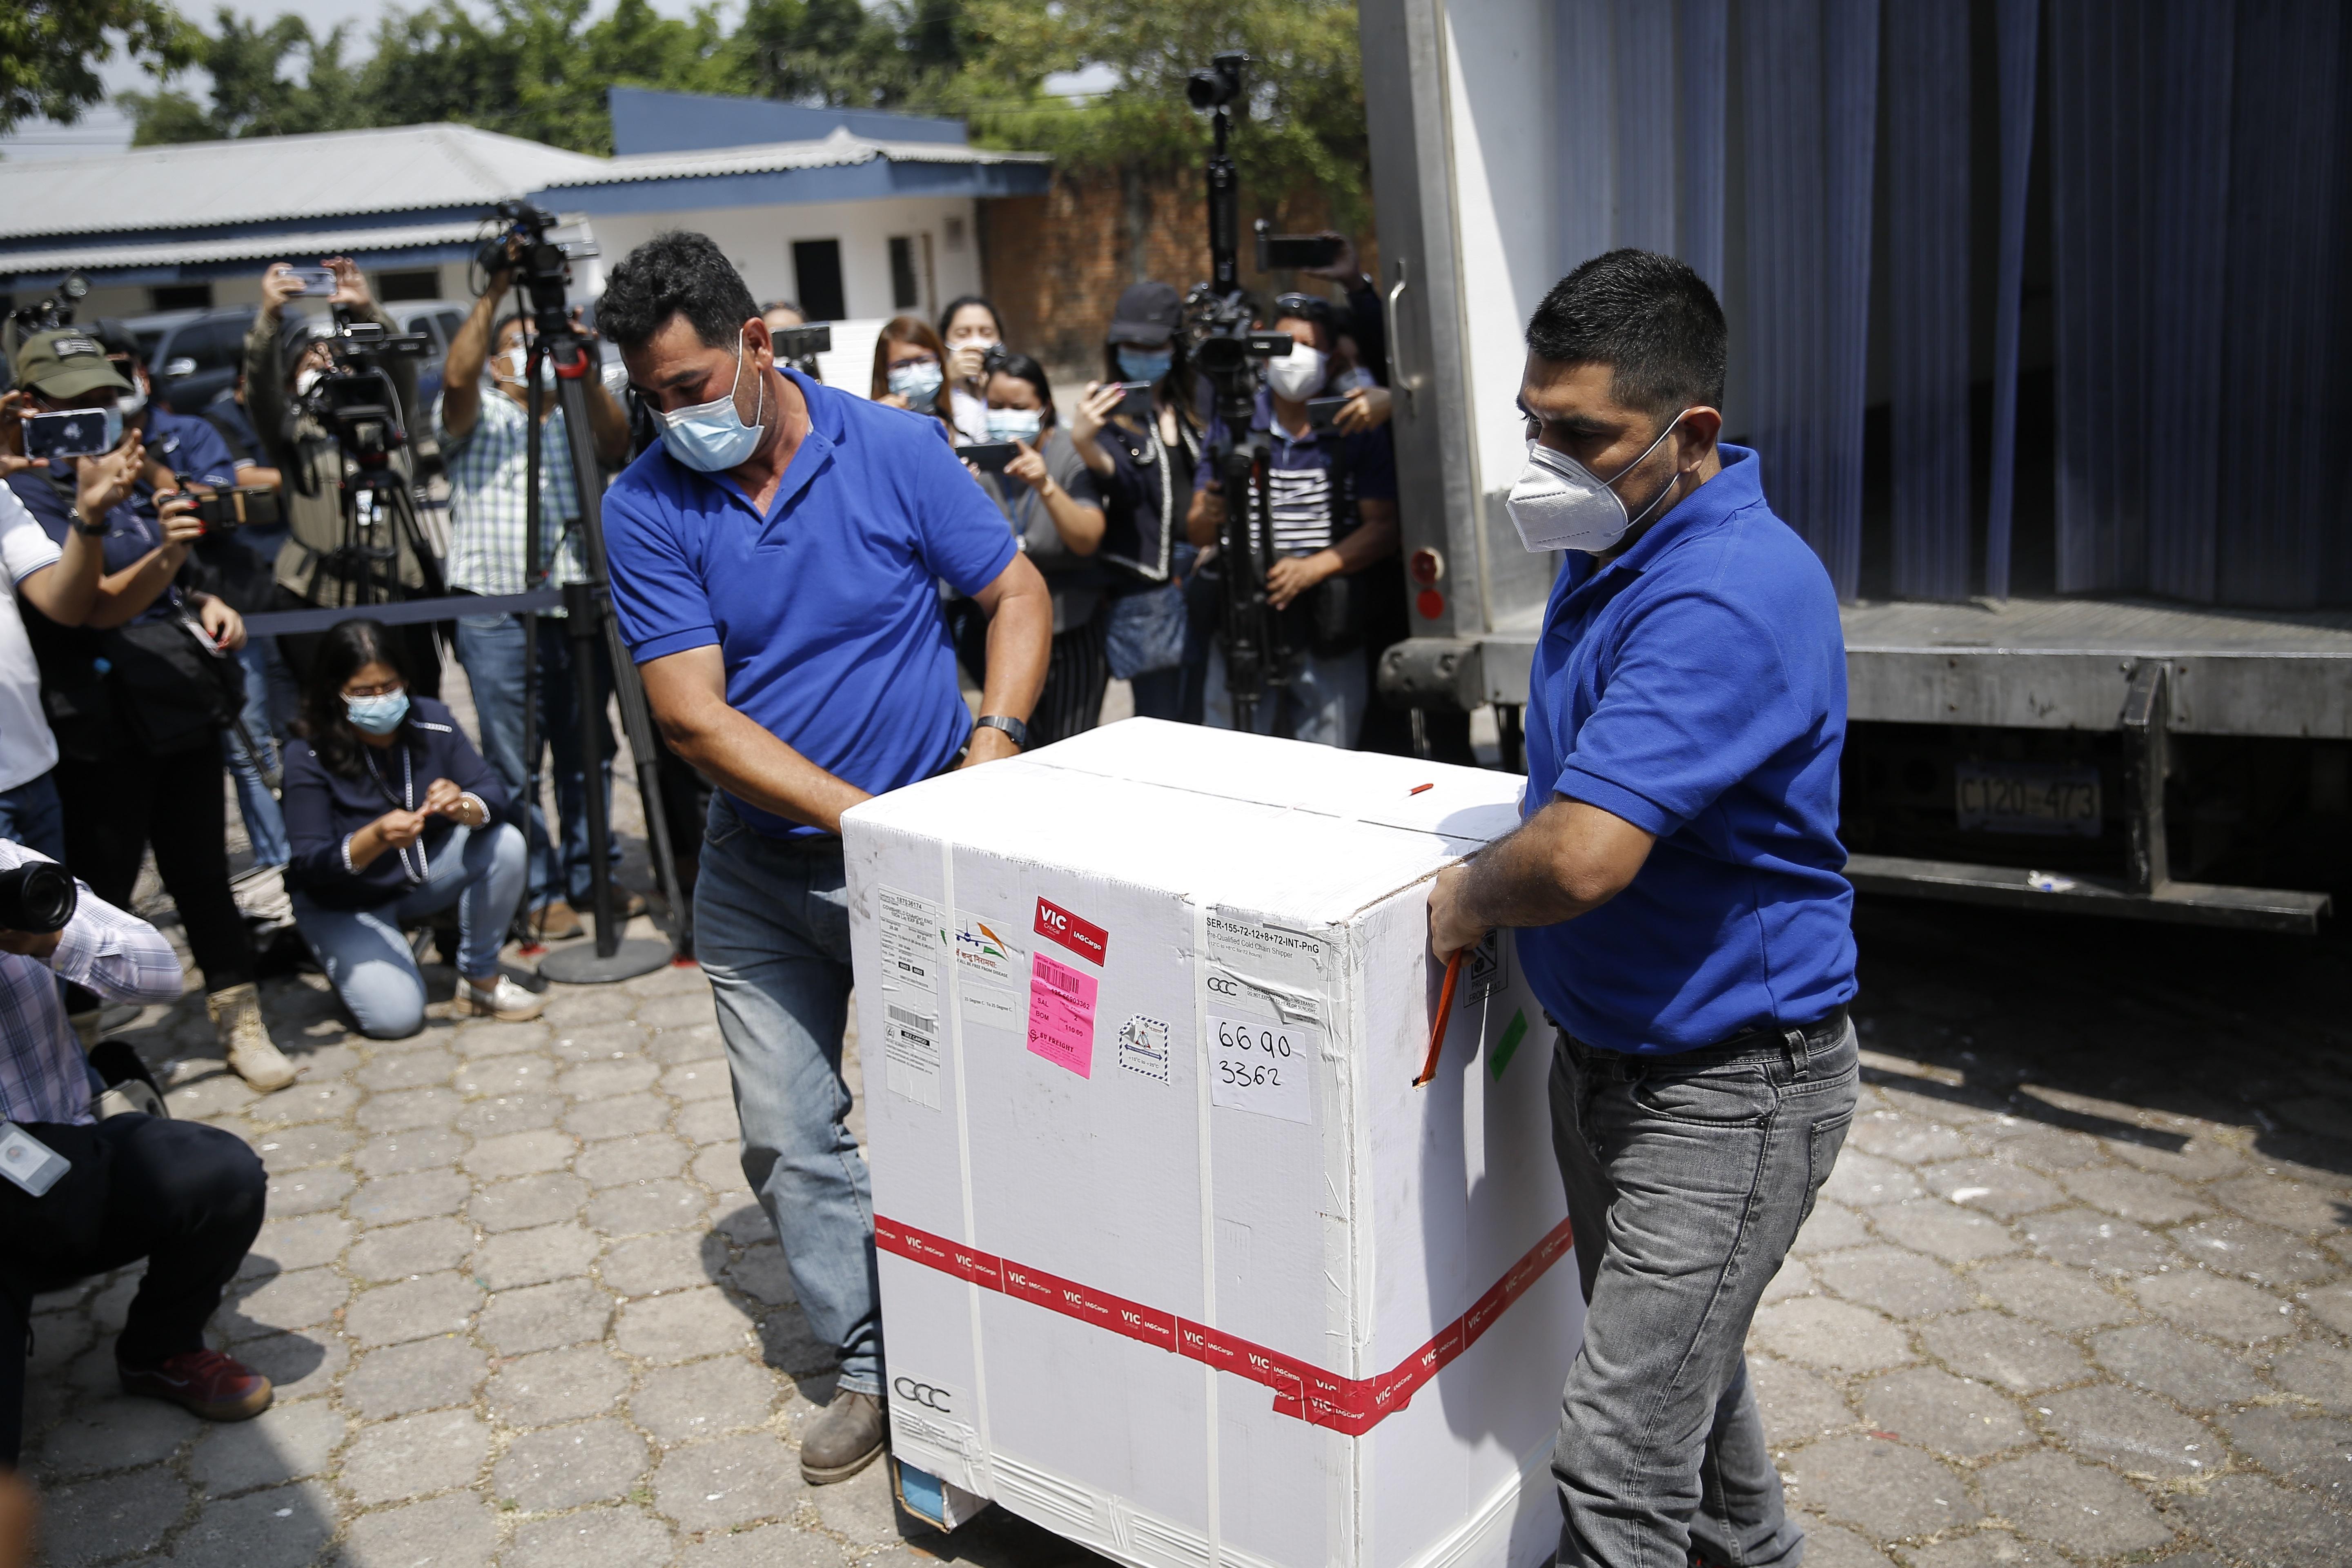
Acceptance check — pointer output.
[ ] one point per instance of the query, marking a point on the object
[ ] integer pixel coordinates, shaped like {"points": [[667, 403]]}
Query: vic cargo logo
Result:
{"points": [[1083, 937]]}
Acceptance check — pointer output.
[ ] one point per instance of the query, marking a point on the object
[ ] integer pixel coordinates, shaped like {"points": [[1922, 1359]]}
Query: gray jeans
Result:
{"points": [[1687, 1177]]}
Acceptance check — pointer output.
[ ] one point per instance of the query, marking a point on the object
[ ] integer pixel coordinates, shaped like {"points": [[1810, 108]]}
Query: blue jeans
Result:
{"points": [[265, 827], [491, 650], [31, 815], [1687, 1176], [1322, 703], [772, 929], [367, 959]]}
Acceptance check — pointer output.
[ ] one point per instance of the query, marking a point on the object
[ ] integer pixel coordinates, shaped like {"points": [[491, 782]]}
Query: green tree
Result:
{"points": [[50, 51], [1300, 128], [254, 90]]}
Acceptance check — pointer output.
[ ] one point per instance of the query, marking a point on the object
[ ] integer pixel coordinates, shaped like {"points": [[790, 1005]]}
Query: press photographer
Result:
{"points": [[138, 694], [348, 492], [483, 420], [79, 1196]]}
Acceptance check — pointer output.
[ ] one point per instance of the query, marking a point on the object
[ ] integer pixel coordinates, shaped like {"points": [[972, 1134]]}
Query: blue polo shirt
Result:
{"points": [[826, 608], [1696, 687]]}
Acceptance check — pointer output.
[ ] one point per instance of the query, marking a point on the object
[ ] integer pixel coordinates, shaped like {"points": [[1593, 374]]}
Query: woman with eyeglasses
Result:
{"points": [[910, 370], [968, 327], [393, 816]]}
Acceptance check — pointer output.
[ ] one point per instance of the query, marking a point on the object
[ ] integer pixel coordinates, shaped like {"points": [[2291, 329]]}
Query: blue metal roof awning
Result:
{"points": [[778, 187]]}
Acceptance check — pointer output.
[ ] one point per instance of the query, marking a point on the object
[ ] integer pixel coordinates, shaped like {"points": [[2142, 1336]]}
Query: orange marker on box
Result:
{"points": [[1444, 1012]]}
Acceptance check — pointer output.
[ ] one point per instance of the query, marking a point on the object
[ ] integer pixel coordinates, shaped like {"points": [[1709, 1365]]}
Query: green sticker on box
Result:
{"points": [[1500, 1057]]}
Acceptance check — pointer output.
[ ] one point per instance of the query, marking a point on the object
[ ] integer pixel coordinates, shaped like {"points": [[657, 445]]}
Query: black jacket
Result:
{"points": [[325, 809]]}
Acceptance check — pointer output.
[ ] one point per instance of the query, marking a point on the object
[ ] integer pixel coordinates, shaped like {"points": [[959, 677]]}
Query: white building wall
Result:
{"points": [[759, 240]]}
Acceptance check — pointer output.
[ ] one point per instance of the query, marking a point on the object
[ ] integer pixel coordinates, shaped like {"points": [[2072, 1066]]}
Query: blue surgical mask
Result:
{"points": [[711, 437], [1146, 364], [1014, 424], [917, 380], [377, 715]]}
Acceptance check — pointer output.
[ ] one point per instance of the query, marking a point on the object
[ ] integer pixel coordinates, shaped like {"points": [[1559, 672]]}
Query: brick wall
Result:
{"points": [[1056, 264]]}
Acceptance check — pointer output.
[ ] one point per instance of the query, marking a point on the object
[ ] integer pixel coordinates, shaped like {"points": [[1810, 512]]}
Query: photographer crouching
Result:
{"points": [[79, 1196], [324, 562], [138, 694]]}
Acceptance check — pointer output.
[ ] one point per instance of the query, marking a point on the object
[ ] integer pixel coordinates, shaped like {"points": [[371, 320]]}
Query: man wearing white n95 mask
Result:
{"points": [[775, 563], [1675, 880], [1332, 498]]}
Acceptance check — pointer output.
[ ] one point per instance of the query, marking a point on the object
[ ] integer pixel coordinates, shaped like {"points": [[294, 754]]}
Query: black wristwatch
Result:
{"points": [[1013, 728], [89, 529]]}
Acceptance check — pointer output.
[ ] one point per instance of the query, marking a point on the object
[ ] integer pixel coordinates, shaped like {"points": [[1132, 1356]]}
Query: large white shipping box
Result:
{"points": [[1175, 1260]]}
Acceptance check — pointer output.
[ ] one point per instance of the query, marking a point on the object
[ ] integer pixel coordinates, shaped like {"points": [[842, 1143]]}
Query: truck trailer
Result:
{"points": [[2039, 328]]}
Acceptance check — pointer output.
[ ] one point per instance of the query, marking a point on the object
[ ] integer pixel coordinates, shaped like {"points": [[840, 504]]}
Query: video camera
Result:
{"points": [[47, 315], [799, 346], [356, 400]]}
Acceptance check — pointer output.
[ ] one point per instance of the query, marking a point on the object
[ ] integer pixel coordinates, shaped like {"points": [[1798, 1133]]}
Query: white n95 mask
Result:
{"points": [[1297, 375], [1560, 504]]}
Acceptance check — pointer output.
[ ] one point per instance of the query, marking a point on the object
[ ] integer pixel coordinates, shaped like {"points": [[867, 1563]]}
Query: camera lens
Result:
{"points": [[38, 898], [1208, 89]]}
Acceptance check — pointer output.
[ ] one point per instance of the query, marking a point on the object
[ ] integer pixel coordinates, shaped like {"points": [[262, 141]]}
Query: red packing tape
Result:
{"points": [[1351, 1404]]}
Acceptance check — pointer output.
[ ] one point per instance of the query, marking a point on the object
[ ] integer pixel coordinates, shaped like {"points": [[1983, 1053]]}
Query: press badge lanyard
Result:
{"points": [[416, 871]]}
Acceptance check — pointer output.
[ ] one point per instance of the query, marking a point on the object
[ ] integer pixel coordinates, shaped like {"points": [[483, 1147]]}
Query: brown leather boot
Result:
{"points": [[843, 1440], [245, 1040]]}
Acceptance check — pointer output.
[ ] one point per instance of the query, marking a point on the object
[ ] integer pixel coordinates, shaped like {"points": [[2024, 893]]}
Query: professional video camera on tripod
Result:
{"points": [[1219, 328], [356, 403], [541, 267]]}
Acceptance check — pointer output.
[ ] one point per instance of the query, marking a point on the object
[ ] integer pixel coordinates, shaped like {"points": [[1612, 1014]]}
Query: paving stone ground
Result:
{"points": [[2080, 1290]]}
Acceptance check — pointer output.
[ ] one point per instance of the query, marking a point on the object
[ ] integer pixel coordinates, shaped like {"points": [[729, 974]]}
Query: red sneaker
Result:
{"points": [[207, 1381]]}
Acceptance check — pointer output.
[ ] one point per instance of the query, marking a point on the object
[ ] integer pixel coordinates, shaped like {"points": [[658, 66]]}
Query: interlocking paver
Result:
{"points": [[1897, 1282], [2229, 1245], [301, 1243], [447, 1530], [284, 1443], [610, 1040], [430, 1067], [763, 1274], [416, 1308], [1834, 1335], [566, 1467], [2220, 1308], [529, 1201], [2134, 1195], [1999, 1187], [2188, 1371], [515, 1258], [285, 1527], [512, 1074], [681, 1326], [299, 1148], [398, 1153], [423, 1246], [2319, 1373], [422, 1374], [640, 1158], [518, 1154], [2135, 1432], [649, 1265], [2073, 1505], [114, 1433], [643, 1206], [769, 1546], [91, 1521], [1942, 1230], [492, 1039], [596, 1538], [402, 1109], [620, 1117], [710, 1121], [2299, 1447], [1862, 1181], [1945, 1415], [556, 1385], [2253, 1519], [415, 1456], [1887, 1490], [395, 1200], [728, 1481], [2085, 1238], [541, 1317], [491, 1117], [294, 1299], [2301, 1207], [2061, 1297], [696, 1080], [703, 1398]]}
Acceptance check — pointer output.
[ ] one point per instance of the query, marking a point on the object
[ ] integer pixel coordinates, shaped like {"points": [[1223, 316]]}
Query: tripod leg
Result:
{"points": [[636, 724], [580, 605]]}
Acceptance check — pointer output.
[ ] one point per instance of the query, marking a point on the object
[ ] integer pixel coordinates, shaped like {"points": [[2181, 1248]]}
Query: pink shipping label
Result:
{"points": [[1062, 1015]]}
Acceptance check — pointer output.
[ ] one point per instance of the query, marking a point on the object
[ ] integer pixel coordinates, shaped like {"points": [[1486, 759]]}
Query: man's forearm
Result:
{"points": [[1020, 646], [470, 349], [67, 591], [755, 767], [608, 422], [123, 594], [1513, 883]]}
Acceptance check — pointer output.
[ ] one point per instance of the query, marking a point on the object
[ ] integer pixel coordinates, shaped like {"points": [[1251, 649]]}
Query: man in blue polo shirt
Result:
{"points": [[1676, 883], [775, 563]]}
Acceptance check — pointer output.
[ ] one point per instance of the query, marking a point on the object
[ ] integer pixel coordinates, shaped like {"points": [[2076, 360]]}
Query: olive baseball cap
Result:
{"points": [[66, 363]]}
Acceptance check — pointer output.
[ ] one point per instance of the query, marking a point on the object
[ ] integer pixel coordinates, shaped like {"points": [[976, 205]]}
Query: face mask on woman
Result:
{"points": [[915, 380], [379, 715], [1014, 424], [1146, 364]]}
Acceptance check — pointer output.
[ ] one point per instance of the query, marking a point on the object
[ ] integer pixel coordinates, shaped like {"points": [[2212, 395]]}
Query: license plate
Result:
{"points": [[2027, 797]]}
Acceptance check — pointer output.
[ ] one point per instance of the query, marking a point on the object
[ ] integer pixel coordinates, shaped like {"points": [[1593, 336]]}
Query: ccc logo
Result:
{"points": [[1224, 987], [924, 1394]]}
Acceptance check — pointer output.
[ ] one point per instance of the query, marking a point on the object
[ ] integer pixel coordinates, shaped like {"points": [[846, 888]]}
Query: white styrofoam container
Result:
{"points": [[1174, 1259]]}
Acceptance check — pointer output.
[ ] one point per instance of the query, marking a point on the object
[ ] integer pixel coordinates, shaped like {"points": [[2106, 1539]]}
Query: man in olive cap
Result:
{"points": [[135, 703]]}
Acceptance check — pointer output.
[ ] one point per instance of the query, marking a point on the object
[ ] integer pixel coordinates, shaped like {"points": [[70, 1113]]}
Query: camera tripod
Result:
{"points": [[542, 269]]}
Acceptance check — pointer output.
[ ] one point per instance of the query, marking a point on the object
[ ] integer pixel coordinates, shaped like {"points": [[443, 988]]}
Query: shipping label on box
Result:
{"points": [[1177, 1262]]}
